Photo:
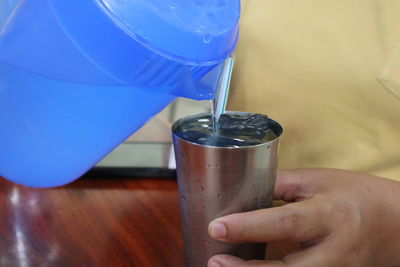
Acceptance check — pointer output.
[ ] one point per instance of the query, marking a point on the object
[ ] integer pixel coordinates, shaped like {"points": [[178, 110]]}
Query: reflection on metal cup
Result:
{"points": [[217, 181]]}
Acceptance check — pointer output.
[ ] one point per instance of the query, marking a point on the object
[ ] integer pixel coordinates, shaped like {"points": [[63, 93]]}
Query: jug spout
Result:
{"points": [[203, 88]]}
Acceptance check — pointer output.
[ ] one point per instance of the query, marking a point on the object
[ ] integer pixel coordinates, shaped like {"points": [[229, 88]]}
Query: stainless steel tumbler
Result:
{"points": [[217, 181]]}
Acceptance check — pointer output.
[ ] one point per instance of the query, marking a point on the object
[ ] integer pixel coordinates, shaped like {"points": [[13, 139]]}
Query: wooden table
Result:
{"points": [[94, 222]]}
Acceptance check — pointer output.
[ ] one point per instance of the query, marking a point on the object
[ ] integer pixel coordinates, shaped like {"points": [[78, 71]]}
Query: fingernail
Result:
{"points": [[214, 264], [218, 230]]}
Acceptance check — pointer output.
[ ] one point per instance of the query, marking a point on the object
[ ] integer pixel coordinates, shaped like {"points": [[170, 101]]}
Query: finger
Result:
{"points": [[298, 184], [231, 261], [317, 256], [297, 222]]}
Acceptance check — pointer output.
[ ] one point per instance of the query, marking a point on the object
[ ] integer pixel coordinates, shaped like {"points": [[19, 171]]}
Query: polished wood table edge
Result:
{"points": [[95, 222]]}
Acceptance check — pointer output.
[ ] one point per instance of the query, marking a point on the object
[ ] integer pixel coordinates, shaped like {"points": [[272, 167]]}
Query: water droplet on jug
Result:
{"points": [[173, 6], [199, 2], [180, 155], [208, 243], [209, 165], [201, 188], [183, 197], [221, 3], [207, 38], [219, 196], [216, 165]]}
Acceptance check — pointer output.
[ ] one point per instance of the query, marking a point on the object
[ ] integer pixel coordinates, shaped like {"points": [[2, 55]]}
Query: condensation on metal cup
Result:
{"points": [[217, 181]]}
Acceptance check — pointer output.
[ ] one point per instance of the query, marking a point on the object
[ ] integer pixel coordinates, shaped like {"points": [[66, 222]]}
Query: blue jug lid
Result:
{"points": [[162, 45], [195, 31]]}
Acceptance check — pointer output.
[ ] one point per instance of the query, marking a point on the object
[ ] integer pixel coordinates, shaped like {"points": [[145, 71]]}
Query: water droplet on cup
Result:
{"points": [[219, 196], [201, 188], [183, 197], [208, 243]]}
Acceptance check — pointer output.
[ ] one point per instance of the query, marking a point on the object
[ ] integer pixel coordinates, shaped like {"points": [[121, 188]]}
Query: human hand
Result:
{"points": [[341, 219]]}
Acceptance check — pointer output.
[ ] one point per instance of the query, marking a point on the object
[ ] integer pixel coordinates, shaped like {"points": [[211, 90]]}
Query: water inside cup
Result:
{"points": [[234, 130]]}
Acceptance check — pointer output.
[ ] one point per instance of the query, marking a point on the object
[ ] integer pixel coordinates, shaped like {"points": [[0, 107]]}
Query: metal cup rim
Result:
{"points": [[276, 124]]}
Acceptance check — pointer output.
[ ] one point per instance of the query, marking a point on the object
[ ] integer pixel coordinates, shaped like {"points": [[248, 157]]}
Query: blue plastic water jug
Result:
{"points": [[79, 77], [6, 7]]}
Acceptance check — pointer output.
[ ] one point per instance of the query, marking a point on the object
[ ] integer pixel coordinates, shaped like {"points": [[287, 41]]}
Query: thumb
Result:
{"points": [[231, 261]]}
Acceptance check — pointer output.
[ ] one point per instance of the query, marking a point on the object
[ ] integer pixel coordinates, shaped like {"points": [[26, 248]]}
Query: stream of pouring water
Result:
{"points": [[218, 105]]}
